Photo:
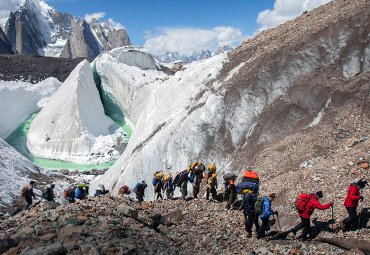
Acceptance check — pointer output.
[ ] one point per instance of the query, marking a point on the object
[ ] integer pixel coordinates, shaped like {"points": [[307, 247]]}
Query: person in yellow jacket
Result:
{"points": [[212, 186]]}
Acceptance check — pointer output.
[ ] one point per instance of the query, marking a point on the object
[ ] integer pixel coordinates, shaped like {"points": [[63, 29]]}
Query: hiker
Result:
{"points": [[196, 175], [306, 204], [27, 193], [250, 216], [351, 204], [230, 190], [263, 209], [168, 186], [139, 190], [100, 191], [81, 191], [158, 184], [124, 190], [69, 194], [48, 193], [181, 181], [212, 186]]}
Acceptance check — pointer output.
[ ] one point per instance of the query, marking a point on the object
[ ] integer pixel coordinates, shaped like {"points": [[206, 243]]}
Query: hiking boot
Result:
{"points": [[343, 226]]}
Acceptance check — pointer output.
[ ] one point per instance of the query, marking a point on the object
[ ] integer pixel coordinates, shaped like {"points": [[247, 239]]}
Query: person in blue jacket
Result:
{"points": [[266, 213]]}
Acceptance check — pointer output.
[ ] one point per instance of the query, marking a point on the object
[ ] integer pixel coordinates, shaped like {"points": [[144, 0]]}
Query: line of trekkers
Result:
{"points": [[254, 207]]}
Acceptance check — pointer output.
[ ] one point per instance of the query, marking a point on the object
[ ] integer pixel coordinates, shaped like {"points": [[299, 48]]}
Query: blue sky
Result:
{"points": [[183, 26], [140, 17]]}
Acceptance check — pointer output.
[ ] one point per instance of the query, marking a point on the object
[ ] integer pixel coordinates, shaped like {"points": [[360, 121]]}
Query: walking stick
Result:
{"points": [[332, 217], [277, 216], [359, 215]]}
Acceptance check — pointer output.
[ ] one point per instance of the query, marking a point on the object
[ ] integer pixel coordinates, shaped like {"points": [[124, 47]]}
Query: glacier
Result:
{"points": [[14, 169], [29, 98], [160, 107], [72, 125]]}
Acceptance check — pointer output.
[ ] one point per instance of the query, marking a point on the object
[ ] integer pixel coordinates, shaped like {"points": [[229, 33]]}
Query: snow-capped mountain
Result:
{"points": [[5, 47], [36, 28], [170, 57]]}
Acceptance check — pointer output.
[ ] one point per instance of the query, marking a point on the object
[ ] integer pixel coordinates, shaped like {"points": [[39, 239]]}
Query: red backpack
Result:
{"points": [[24, 190], [302, 201]]}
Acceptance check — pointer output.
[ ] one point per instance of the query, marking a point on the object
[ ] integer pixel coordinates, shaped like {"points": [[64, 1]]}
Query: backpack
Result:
{"points": [[45, 193], [259, 205], [69, 192], [180, 178], [302, 201], [252, 186], [229, 176], [251, 176], [155, 181], [24, 191], [138, 187], [192, 177]]}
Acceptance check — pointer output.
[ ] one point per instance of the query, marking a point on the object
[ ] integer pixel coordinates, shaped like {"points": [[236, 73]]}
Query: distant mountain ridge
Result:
{"points": [[169, 57], [38, 29]]}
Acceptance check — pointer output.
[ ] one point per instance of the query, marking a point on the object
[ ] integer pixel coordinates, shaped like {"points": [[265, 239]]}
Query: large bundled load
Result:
{"points": [[249, 184], [180, 178], [196, 169], [158, 176]]}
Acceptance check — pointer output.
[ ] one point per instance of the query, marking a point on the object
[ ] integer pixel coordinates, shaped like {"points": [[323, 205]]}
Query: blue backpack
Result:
{"points": [[191, 177], [138, 187], [155, 181]]}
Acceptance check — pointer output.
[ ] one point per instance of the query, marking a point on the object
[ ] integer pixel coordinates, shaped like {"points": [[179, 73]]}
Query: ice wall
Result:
{"points": [[72, 125], [19, 99]]}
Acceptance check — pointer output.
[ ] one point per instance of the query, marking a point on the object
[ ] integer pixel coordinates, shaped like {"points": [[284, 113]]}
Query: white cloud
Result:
{"points": [[115, 25], [7, 6], [285, 10], [97, 15], [189, 40]]}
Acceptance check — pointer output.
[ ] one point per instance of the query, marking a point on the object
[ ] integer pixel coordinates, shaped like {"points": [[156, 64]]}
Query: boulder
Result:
{"points": [[129, 211], [52, 249]]}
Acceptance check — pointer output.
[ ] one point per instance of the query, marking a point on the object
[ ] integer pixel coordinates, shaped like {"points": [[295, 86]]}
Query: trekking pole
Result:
{"points": [[332, 217], [277, 216], [359, 215]]}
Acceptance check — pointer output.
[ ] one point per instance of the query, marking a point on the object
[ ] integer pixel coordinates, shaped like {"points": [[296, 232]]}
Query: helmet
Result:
{"points": [[166, 177], [212, 167], [214, 175]]}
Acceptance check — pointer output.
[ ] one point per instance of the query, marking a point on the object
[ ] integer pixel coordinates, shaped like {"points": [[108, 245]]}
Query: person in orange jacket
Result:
{"points": [[312, 204]]}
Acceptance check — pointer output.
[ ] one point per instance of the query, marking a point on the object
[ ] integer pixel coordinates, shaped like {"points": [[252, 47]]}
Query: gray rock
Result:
{"points": [[53, 249], [129, 211], [51, 205]]}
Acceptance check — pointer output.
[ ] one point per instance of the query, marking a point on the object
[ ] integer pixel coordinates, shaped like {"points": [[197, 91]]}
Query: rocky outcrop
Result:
{"points": [[81, 42], [109, 38], [5, 47], [38, 29]]}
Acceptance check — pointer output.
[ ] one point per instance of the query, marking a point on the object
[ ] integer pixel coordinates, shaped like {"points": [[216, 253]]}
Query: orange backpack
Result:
{"points": [[250, 175]]}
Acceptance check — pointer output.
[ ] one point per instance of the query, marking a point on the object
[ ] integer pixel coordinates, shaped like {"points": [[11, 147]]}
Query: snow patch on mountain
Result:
{"points": [[72, 126], [29, 98]]}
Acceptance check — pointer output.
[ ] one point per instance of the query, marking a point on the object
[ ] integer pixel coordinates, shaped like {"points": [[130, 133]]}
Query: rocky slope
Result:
{"points": [[107, 225], [285, 81], [34, 69]]}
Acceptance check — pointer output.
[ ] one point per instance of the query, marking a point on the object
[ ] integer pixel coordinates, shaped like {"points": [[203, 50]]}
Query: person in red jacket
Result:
{"points": [[305, 215], [351, 203]]}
